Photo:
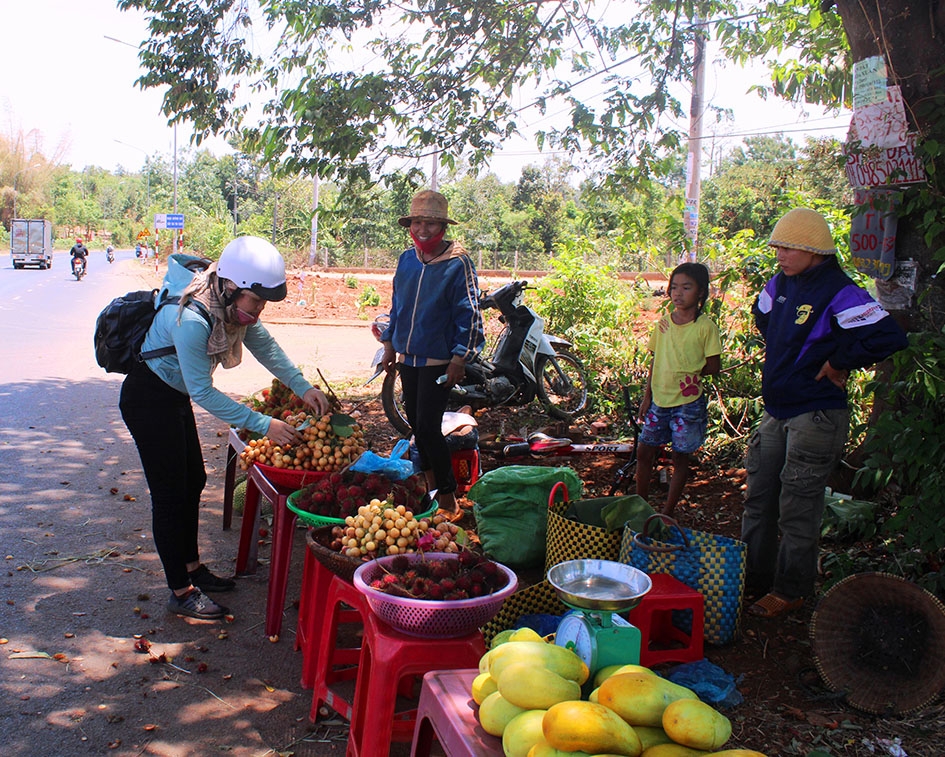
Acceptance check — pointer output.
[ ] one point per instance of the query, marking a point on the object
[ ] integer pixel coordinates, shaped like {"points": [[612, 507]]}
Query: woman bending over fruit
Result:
{"points": [[218, 315]]}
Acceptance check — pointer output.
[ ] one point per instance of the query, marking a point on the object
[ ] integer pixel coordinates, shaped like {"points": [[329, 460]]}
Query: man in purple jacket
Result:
{"points": [[818, 326]]}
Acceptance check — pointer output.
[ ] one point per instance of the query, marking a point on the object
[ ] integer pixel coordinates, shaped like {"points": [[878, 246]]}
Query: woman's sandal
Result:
{"points": [[774, 606]]}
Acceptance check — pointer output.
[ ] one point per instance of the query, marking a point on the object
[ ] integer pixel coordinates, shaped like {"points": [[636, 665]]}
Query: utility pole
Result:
{"points": [[174, 238], [433, 177], [694, 158], [313, 250]]}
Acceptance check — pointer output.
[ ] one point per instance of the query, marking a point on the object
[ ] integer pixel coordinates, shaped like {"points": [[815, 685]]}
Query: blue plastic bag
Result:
{"points": [[711, 683], [396, 467]]}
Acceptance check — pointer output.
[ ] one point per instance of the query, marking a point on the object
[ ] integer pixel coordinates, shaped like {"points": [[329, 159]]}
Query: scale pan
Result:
{"points": [[599, 584]]}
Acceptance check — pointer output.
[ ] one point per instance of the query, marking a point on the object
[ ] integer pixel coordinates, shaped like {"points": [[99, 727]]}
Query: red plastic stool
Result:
{"points": [[447, 713], [387, 658], [316, 579], [326, 663], [259, 487], [662, 639], [465, 469]]}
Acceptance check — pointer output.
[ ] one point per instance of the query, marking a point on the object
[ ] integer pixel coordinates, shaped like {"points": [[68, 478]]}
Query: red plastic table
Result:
{"points": [[447, 712]]}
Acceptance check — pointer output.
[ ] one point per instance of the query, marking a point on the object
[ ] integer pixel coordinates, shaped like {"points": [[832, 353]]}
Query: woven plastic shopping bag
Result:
{"points": [[711, 564], [577, 530], [538, 599]]}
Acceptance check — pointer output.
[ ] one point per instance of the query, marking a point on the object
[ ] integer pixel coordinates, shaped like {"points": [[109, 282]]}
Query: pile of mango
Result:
{"points": [[529, 694]]}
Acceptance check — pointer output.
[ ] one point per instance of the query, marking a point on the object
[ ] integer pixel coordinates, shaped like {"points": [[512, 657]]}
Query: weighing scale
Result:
{"points": [[596, 590]]}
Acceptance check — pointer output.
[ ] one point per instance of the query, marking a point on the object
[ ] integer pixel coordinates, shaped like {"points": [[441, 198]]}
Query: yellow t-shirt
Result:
{"points": [[679, 355]]}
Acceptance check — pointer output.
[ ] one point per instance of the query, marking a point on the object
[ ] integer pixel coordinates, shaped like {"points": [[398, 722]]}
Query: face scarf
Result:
{"points": [[428, 246], [242, 317]]}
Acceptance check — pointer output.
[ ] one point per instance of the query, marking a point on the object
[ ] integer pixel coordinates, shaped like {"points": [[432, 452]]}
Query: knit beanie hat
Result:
{"points": [[803, 229]]}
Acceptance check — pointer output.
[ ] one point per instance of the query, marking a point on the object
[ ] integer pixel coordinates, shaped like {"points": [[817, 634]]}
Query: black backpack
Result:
{"points": [[121, 327]]}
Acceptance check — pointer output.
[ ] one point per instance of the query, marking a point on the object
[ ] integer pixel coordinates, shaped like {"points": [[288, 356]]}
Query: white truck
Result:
{"points": [[31, 243]]}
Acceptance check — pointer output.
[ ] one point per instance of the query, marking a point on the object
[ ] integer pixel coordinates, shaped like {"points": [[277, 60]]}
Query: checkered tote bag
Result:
{"points": [[568, 539], [712, 565]]}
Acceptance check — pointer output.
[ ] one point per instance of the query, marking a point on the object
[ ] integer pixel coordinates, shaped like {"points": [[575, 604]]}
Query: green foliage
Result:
{"points": [[440, 78], [369, 298], [905, 445], [588, 305]]}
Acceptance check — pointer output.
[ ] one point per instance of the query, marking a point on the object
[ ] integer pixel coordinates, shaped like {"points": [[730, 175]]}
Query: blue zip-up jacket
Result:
{"points": [[435, 308], [813, 317], [190, 369]]}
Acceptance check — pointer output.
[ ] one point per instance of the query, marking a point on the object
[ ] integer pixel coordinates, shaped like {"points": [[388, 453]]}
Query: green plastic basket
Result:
{"points": [[311, 519]]}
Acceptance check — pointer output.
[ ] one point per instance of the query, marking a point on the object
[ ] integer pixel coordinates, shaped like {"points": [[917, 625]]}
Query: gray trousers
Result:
{"points": [[788, 464]]}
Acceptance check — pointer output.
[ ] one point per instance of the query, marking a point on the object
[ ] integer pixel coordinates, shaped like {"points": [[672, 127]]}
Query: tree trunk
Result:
{"points": [[910, 36]]}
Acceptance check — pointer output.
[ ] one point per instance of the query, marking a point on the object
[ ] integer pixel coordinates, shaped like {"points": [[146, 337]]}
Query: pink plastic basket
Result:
{"points": [[428, 618]]}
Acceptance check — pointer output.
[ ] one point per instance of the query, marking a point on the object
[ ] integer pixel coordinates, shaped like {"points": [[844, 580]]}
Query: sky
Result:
{"points": [[64, 81]]}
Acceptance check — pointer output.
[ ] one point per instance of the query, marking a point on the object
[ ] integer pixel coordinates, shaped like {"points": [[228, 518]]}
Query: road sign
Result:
{"points": [[168, 220]]}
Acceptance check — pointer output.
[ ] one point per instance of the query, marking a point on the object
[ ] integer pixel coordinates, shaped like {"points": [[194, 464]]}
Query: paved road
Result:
{"points": [[82, 580]]}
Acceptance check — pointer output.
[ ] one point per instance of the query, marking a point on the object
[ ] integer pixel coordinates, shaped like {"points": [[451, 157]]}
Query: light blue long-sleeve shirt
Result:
{"points": [[190, 368]]}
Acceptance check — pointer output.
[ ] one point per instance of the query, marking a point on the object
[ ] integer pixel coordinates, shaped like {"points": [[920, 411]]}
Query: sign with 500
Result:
{"points": [[873, 233]]}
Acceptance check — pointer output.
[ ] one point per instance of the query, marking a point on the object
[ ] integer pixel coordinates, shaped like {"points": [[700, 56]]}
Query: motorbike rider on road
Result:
{"points": [[435, 329], [110, 254], [79, 252]]}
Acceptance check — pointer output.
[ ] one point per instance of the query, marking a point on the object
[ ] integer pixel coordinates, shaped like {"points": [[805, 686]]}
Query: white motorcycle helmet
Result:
{"points": [[253, 263]]}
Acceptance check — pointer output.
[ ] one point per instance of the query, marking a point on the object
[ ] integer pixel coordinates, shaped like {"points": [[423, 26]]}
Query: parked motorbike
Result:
{"points": [[526, 363], [110, 254], [78, 268]]}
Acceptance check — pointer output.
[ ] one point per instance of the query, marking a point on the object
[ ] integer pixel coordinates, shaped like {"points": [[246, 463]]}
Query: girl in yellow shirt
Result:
{"points": [[685, 347]]}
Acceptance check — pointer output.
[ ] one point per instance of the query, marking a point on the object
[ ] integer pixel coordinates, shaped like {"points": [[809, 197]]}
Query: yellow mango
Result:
{"points": [[484, 662], [738, 753], [562, 661], [588, 727], [694, 723], [672, 750], [495, 712], [611, 670], [640, 698], [526, 634], [534, 688], [482, 686], [650, 736], [544, 749], [522, 733], [500, 638], [592, 697]]}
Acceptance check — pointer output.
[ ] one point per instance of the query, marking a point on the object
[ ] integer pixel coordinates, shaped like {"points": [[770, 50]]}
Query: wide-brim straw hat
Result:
{"points": [[880, 640], [428, 206], [803, 229]]}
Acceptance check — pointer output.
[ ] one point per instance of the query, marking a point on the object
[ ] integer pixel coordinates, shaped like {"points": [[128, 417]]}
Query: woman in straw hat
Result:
{"points": [[435, 329], [817, 326]]}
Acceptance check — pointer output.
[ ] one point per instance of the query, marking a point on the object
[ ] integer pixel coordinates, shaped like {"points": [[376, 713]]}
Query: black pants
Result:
{"points": [[161, 421], [425, 402]]}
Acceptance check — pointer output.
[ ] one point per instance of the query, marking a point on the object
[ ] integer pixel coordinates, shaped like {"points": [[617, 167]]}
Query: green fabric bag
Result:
{"points": [[510, 505], [611, 513]]}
